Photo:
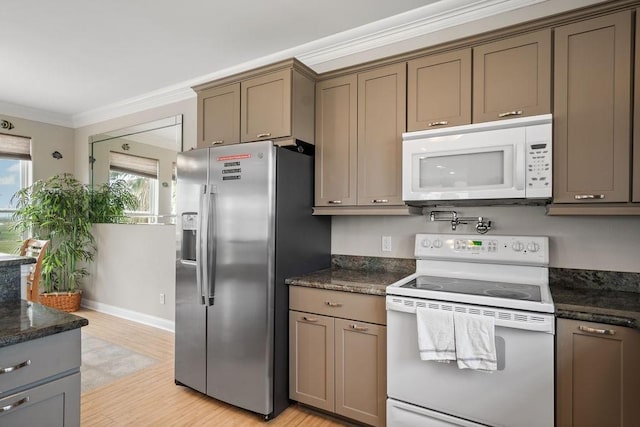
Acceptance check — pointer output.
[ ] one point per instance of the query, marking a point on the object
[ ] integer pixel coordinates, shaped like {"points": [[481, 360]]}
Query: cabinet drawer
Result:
{"points": [[38, 359], [347, 305]]}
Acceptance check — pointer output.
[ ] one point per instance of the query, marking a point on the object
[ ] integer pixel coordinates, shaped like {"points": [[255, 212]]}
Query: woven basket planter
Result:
{"points": [[65, 301]]}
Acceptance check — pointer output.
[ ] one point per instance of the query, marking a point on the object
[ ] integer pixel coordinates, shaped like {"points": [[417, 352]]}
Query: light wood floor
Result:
{"points": [[150, 397]]}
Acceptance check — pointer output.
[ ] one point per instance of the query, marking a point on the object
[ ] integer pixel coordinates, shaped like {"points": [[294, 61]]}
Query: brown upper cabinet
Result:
{"points": [[381, 121], [635, 197], [597, 374], [336, 141], [592, 129], [439, 90], [359, 123], [512, 77], [219, 116], [273, 102]]}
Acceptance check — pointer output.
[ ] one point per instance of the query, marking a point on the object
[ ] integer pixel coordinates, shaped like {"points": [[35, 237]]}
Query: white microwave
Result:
{"points": [[507, 161]]}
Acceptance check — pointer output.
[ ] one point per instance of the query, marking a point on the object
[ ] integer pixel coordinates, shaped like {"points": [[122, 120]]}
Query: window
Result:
{"points": [[141, 175], [15, 173]]}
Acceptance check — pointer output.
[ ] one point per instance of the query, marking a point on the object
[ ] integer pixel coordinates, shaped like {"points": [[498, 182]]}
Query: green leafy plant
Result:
{"points": [[109, 202], [62, 209]]}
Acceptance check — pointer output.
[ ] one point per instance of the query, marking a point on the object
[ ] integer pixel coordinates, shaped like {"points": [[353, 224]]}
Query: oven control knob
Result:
{"points": [[517, 246], [533, 247], [426, 243], [437, 243]]}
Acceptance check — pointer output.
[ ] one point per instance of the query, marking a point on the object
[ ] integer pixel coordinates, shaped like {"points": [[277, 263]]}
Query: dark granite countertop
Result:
{"points": [[7, 260], [21, 321], [596, 296], [346, 280]]}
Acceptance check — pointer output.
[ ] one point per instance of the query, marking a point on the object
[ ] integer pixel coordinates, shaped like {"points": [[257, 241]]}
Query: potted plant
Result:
{"points": [[62, 209]]}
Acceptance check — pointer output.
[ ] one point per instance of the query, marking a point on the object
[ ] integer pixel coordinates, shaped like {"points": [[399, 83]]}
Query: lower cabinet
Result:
{"points": [[597, 375], [338, 364]]}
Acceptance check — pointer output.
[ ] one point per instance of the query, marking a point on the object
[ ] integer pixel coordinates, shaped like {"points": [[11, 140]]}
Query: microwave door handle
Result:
{"points": [[520, 167]]}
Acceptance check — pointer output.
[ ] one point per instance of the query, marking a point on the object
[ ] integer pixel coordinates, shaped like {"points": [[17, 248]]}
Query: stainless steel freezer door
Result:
{"points": [[191, 314], [240, 321]]}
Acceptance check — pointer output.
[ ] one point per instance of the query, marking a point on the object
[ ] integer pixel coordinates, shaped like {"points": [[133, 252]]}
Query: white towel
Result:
{"points": [[435, 335], [475, 342]]}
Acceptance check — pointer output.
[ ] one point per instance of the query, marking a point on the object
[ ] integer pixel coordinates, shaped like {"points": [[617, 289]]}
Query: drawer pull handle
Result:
{"points": [[14, 405], [588, 196], [15, 367], [263, 135], [218, 142], [310, 319], [333, 304], [335, 202], [597, 331], [358, 328], [442, 123], [379, 201], [510, 113]]}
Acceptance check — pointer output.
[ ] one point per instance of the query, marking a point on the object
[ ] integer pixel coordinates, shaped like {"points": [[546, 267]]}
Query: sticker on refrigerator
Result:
{"points": [[234, 157]]}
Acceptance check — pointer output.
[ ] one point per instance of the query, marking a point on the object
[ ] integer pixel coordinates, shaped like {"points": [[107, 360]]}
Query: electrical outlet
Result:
{"points": [[161, 298], [386, 243]]}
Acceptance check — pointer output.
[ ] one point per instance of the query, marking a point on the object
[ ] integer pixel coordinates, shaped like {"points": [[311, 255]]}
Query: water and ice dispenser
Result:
{"points": [[189, 236]]}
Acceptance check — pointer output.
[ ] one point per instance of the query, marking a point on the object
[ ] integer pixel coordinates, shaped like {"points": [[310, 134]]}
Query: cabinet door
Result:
{"points": [[512, 77], [361, 371], [635, 173], [265, 106], [311, 364], [336, 141], [598, 377], [55, 404], [439, 90], [591, 126], [381, 121], [219, 116]]}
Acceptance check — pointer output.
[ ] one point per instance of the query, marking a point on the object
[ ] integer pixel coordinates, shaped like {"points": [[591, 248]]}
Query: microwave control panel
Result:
{"points": [[539, 168]]}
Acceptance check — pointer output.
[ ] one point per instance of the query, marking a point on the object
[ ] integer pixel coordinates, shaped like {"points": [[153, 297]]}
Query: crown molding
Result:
{"points": [[158, 98], [35, 114], [405, 26]]}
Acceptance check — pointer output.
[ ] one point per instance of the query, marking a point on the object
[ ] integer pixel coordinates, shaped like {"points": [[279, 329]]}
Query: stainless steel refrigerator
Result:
{"points": [[244, 225]]}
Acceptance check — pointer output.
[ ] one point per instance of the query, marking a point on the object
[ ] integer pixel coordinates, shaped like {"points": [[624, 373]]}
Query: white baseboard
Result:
{"points": [[146, 319]]}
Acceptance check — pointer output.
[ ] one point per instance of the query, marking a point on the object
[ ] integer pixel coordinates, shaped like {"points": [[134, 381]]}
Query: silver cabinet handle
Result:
{"points": [[358, 328], [310, 319], [263, 135], [379, 201], [15, 367], [588, 196], [597, 331], [441, 123], [333, 304], [218, 142], [335, 202], [14, 405], [510, 113]]}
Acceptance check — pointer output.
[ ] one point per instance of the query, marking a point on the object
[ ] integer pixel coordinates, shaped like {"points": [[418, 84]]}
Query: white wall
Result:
{"points": [[134, 263], [597, 243], [45, 139]]}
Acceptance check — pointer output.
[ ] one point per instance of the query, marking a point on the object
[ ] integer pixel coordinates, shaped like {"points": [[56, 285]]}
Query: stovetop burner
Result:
{"points": [[515, 291]]}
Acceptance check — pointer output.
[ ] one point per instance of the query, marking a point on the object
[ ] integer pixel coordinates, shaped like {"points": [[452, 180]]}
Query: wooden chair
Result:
{"points": [[34, 248]]}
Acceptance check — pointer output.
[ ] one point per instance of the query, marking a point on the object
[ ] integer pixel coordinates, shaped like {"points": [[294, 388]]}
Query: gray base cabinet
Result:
{"points": [[598, 377], [40, 381]]}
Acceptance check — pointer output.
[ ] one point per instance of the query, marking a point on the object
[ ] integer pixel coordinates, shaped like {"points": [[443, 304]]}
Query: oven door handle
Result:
{"points": [[537, 323]]}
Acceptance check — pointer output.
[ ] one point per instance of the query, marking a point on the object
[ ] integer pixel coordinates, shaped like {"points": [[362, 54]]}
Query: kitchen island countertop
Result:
{"points": [[22, 321]]}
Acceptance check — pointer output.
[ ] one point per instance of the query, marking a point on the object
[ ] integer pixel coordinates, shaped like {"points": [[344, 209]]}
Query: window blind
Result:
{"points": [[134, 165], [15, 147]]}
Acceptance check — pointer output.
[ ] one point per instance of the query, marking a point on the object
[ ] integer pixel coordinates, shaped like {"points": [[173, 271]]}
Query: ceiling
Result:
{"points": [[71, 57]]}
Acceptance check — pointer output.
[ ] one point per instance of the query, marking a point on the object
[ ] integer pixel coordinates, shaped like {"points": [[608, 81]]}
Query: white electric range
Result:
{"points": [[504, 277]]}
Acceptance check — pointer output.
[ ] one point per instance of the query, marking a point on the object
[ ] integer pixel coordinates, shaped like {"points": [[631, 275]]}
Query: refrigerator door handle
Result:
{"points": [[202, 245], [211, 222]]}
